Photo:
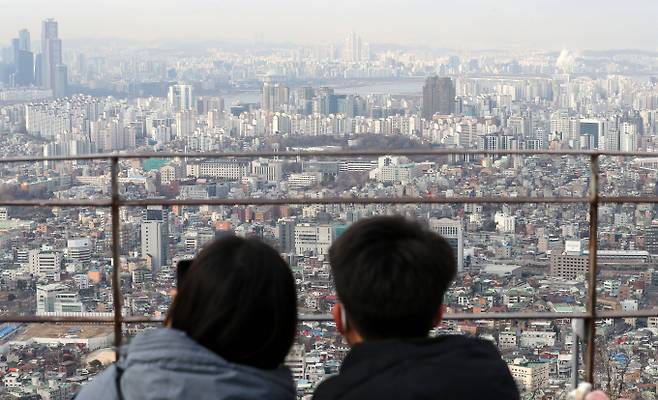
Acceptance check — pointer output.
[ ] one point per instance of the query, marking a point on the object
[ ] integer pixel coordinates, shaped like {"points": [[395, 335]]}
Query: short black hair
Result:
{"points": [[239, 300], [391, 274]]}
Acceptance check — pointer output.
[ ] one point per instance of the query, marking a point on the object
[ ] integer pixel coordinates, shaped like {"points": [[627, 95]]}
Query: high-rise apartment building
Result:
{"points": [[53, 72], [38, 70], [274, 96], [23, 58], [591, 131], [24, 40], [180, 97], [286, 235], [305, 97], [185, 124], [453, 232], [355, 50], [60, 85], [155, 236], [326, 102], [438, 97]]}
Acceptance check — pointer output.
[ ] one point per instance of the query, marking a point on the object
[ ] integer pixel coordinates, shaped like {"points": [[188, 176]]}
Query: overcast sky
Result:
{"points": [[460, 24]]}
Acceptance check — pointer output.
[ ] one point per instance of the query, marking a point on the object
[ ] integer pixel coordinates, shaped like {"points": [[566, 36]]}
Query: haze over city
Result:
{"points": [[469, 24]]}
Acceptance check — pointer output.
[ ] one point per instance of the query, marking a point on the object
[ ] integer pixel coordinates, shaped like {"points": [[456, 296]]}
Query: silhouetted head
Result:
{"points": [[238, 299], [391, 274]]}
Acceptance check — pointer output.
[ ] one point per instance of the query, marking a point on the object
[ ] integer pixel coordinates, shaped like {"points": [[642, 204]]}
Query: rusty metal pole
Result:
{"points": [[593, 250], [116, 261]]}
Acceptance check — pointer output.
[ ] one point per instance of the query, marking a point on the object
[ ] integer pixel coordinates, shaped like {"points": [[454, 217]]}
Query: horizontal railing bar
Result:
{"points": [[447, 317], [478, 316], [627, 314], [327, 317], [55, 203], [356, 200], [326, 200], [628, 199], [329, 153], [29, 319], [512, 316]]}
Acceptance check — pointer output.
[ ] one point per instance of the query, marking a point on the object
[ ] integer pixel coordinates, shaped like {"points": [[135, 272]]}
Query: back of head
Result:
{"points": [[390, 275], [238, 299]]}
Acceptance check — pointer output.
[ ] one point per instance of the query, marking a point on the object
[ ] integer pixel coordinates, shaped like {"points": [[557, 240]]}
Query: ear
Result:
{"points": [[336, 312], [439, 316]]}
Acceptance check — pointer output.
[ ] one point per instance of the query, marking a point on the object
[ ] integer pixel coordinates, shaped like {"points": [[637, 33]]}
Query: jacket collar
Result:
{"points": [[168, 346], [378, 352]]}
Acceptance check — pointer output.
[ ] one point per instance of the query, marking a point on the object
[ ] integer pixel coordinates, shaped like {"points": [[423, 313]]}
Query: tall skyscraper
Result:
{"points": [[593, 131], [38, 70], [326, 102], [23, 59], [180, 97], [24, 72], [155, 236], [53, 75], [24, 40], [286, 242], [61, 85], [355, 50], [305, 97], [274, 96], [51, 50], [438, 97]]}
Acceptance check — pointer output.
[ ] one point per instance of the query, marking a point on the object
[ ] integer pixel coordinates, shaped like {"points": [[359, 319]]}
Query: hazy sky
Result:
{"points": [[522, 24]]}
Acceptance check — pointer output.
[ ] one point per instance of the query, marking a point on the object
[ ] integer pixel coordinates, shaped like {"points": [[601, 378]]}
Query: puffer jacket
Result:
{"points": [[167, 364]]}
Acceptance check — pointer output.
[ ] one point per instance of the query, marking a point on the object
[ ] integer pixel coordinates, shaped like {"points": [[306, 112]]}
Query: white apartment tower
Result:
{"points": [[155, 236], [180, 97], [453, 232]]}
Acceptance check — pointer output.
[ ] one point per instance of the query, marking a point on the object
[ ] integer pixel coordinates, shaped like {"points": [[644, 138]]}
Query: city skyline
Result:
{"points": [[515, 157], [581, 25]]}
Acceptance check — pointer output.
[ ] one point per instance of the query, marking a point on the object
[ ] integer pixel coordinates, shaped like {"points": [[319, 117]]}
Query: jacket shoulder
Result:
{"points": [[102, 387], [446, 366], [325, 390]]}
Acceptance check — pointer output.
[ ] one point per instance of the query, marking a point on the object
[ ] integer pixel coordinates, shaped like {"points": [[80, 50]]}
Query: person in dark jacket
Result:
{"points": [[228, 331], [390, 275]]}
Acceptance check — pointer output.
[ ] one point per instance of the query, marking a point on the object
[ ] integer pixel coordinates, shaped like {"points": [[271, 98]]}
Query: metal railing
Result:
{"points": [[115, 202]]}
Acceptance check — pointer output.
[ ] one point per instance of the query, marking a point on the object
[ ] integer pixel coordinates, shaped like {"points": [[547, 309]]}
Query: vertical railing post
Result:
{"points": [[575, 362], [116, 261], [593, 258]]}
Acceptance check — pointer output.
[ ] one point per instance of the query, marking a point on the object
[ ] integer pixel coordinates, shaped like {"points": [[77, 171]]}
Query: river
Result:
{"points": [[407, 87]]}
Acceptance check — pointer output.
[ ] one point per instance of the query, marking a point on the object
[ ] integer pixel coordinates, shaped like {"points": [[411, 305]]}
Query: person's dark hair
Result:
{"points": [[391, 274], [181, 271], [239, 300]]}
